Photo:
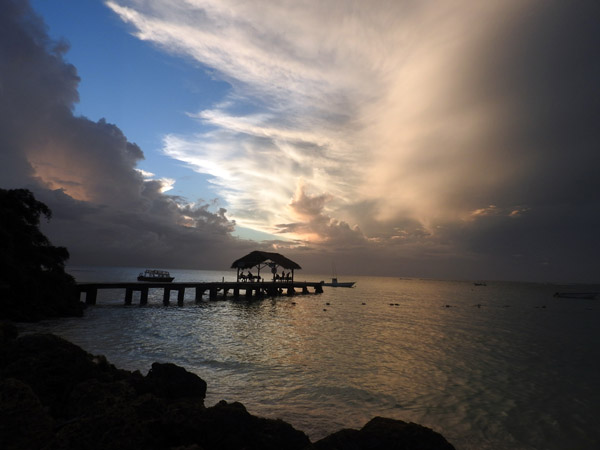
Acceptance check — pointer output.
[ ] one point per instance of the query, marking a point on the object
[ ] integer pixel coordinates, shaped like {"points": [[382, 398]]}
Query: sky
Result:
{"points": [[438, 139]]}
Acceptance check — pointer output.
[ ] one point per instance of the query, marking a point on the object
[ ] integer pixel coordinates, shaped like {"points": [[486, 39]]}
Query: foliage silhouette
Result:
{"points": [[33, 281]]}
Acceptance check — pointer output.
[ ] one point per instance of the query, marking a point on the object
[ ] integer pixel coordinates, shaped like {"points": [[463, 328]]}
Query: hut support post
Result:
{"points": [[180, 296], [167, 296]]}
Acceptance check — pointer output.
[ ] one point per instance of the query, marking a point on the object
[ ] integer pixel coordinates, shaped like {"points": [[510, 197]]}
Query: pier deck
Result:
{"points": [[250, 289]]}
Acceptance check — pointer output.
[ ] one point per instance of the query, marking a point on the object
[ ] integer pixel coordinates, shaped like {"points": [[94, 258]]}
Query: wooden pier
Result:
{"points": [[250, 289]]}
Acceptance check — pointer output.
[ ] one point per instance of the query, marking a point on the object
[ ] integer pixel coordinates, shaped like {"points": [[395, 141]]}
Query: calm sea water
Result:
{"points": [[505, 366]]}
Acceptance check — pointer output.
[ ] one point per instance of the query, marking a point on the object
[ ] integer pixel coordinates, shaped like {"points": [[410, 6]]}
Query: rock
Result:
{"points": [[171, 381], [385, 434], [346, 439], [93, 397], [115, 431], [52, 367], [24, 422], [8, 331], [251, 432]]}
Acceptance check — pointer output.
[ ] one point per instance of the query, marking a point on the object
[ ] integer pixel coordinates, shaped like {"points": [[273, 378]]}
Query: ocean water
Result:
{"points": [[505, 366]]}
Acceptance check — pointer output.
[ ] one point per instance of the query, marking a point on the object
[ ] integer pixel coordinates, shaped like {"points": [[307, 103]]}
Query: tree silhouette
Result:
{"points": [[33, 281]]}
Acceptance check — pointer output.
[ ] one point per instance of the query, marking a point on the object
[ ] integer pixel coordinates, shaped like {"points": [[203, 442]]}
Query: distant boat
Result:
{"points": [[334, 280], [161, 276], [336, 283], [480, 283], [586, 295]]}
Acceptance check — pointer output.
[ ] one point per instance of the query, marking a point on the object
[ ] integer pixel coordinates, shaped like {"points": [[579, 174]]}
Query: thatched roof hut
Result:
{"points": [[260, 260]]}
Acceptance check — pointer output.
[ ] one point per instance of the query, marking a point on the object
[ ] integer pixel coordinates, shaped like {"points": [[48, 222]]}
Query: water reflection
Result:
{"points": [[505, 374]]}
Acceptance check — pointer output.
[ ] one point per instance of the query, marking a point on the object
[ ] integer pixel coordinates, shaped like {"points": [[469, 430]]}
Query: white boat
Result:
{"points": [[155, 275], [336, 283]]}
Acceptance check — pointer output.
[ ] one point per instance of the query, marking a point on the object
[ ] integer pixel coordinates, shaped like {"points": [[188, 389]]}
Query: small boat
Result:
{"points": [[586, 295], [161, 276], [334, 280], [480, 283], [336, 283]]}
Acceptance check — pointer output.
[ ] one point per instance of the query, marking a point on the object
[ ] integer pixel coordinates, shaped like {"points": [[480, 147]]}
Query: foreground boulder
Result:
{"points": [[382, 433], [54, 395], [174, 382]]}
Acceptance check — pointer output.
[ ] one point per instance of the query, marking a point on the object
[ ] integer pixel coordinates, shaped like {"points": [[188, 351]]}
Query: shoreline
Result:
{"points": [[55, 395]]}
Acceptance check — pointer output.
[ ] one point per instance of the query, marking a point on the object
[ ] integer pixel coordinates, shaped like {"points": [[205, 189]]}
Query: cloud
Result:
{"points": [[408, 118], [454, 139], [166, 183], [297, 129], [105, 210], [315, 226]]}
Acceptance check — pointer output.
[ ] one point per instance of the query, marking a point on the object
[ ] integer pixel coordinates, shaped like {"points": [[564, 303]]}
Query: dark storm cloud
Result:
{"points": [[542, 76], [104, 211]]}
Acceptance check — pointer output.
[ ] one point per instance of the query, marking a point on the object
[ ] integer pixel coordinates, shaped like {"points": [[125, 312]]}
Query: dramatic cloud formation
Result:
{"points": [[104, 210], [441, 139], [455, 131]]}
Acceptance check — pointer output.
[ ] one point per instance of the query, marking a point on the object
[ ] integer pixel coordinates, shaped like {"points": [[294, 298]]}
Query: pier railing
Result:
{"points": [[214, 289]]}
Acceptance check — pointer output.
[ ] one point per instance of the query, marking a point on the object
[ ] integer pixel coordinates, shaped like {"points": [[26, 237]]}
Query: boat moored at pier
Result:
{"points": [[156, 276]]}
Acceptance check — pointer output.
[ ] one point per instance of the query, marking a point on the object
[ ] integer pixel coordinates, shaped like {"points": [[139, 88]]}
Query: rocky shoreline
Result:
{"points": [[55, 395]]}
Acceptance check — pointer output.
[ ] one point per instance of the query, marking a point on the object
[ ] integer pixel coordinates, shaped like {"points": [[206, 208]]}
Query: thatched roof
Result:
{"points": [[256, 258]]}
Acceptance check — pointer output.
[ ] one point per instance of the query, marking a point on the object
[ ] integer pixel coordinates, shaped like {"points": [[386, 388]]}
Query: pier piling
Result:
{"points": [[128, 295], [144, 296]]}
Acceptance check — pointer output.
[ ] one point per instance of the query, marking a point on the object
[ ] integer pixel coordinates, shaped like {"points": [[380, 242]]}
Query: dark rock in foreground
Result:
{"points": [[54, 395], [381, 433]]}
